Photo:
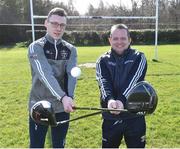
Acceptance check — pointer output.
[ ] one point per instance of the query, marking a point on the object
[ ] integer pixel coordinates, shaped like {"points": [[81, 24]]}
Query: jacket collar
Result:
{"points": [[52, 40]]}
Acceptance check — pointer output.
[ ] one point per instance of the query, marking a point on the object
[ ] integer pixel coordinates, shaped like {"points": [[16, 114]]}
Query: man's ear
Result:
{"points": [[45, 23], [109, 39], [130, 40]]}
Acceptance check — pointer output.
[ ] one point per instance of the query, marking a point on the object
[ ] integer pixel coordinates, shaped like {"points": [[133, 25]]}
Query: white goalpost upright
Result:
{"points": [[105, 17]]}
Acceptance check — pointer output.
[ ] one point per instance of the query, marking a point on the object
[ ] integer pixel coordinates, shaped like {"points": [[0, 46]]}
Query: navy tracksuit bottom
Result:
{"points": [[133, 130], [38, 132]]}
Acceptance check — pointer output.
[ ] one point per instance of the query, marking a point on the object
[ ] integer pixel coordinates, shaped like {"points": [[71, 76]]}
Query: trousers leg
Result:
{"points": [[112, 133], [59, 133], [135, 133], [37, 134]]}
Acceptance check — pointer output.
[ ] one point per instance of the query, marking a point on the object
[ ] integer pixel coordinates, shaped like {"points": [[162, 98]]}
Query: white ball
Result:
{"points": [[75, 72]]}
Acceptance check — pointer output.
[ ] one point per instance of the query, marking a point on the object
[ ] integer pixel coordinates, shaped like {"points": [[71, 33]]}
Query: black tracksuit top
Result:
{"points": [[117, 74]]}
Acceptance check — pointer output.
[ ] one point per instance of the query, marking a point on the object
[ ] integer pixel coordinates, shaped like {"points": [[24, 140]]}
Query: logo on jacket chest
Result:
{"points": [[60, 54], [112, 63], [128, 61], [49, 52], [64, 54]]}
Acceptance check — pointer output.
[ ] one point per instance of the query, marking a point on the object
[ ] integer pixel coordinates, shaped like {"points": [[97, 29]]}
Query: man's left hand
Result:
{"points": [[68, 104]]}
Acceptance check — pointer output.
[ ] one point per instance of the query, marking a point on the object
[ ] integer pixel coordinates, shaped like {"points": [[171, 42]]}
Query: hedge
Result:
{"points": [[14, 34]]}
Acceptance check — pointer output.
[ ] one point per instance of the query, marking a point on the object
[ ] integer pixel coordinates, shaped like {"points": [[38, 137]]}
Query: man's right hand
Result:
{"points": [[115, 104], [68, 104]]}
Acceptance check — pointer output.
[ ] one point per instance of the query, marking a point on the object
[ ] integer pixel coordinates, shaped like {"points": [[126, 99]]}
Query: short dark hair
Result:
{"points": [[57, 11], [120, 26]]}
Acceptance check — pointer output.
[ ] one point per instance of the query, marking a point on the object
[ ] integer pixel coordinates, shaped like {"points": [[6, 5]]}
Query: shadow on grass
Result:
{"points": [[164, 74]]}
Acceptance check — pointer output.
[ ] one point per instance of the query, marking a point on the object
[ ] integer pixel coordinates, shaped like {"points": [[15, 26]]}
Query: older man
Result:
{"points": [[117, 71]]}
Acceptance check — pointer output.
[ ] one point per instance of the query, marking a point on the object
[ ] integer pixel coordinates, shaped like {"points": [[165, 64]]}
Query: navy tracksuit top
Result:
{"points": [[117, 74]]}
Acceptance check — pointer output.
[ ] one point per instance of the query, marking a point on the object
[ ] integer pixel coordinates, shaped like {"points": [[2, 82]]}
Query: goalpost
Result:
{"points": [[155, 17]]}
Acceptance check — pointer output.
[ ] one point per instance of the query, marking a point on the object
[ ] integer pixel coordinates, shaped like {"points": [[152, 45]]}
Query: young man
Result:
{"points": [[51, 59], [117, 71]]}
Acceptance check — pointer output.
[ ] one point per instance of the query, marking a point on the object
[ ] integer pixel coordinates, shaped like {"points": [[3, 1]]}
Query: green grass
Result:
{"points": [[15, 81]]}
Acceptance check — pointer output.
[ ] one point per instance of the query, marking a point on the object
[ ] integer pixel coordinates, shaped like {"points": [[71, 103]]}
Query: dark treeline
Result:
{"points": [[18, 12]]}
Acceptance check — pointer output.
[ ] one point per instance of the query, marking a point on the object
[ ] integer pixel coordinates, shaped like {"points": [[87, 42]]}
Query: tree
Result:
{"points": [[91, 10], [18, 11], [11, 11], [71, 10], [174, 11]]}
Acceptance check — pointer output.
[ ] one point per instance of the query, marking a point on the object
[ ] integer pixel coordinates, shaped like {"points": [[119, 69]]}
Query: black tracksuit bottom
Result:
{"points": [[133, 130], [38, 132]]}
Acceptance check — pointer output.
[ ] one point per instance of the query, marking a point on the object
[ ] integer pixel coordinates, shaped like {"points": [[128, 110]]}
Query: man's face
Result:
{"points": [[55, 26], [119, 40]]}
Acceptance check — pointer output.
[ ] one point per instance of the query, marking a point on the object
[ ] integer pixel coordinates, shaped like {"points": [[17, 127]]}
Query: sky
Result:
{"points": [[82, 5]]}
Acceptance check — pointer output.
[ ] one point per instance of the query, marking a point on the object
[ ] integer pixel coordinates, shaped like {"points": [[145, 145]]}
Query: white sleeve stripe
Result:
{"points": [[135, 81], [99, 76], [45, 80], [102, 85], [137, 75], [31, 48], [100, 81], [43, 76]]}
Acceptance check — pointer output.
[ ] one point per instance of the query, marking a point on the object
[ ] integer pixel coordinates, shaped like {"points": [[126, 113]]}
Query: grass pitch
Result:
{"points": [[15, 81]]}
